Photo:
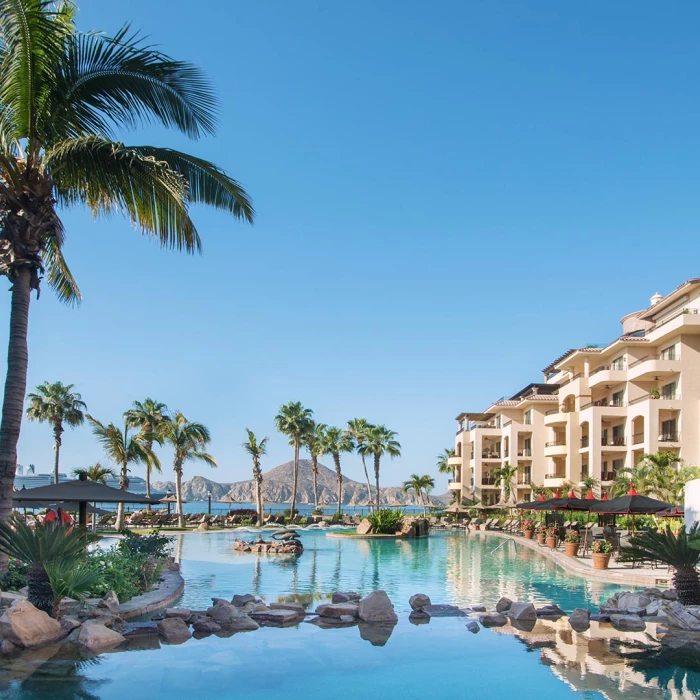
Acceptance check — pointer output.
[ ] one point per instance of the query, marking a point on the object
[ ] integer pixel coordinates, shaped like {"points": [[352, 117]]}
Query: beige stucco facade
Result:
{"points": [[597, 410]]}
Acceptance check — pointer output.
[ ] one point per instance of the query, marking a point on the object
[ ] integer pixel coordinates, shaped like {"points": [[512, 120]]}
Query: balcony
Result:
{"points": [[651, 366], [554, 480], [584, 441], [454, 485], [555, 447], [605, 407], [607, 477], [606, 374], [490, 455], [670, 437], [525, 453], [669, 401], [454, 461], [638, 438], [556, 417], [618, 441], [524, 480], [491, 481]]}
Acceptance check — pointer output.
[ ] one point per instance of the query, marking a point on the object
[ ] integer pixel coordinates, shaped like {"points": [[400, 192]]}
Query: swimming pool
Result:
{"points": [[438, 660]]}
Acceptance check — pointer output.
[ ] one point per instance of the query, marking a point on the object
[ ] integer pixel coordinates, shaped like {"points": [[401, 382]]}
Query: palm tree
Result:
{"points": [[443, 463], [507, 474], [313, 441], [654, 475], [537, 491], [358, 428], [335, 442], [148, 416], [380, 441], [188, 441], [256, 450], [96, 472], [58, 405], [294, 421], [124, 449], [421, 486], [588, 482], [64, 94], [676, 551]]}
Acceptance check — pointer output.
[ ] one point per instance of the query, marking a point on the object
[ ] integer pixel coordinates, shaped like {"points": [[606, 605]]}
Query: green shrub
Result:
{"points": [[155, 544], [386, 521], [16, 576], [126, 573]]}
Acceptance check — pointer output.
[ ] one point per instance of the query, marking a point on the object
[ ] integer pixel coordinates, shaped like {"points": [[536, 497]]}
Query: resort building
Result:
{"points": [[597, 410]]}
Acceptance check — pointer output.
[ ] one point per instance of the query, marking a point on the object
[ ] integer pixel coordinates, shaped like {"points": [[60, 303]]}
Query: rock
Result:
{"points": [[224, 615], [329, 623], [503, 605], [682, 648], [652, 593], [632, 601], [670, 594], [182, 613], [600, 617], [7, 648], [376, 607], [677, 616], [345, 597], [551, 612], [443, 611], [110, 602], [240, 600], [523, 612], [655, 607], [337, 609], [494, 620], [93, 635], [580, 619], [275, 618], [139, 629], [473, 626], [627, 623], [220, 601], [26, 626], [68, 624], [174, 629], [418, 601], [376, 634], [259, 607], [479, 608], [694, 610], [418, 617], [365, 527], [105, 617], [526, 625], [206, 626], [299, 609], [347, 618]]}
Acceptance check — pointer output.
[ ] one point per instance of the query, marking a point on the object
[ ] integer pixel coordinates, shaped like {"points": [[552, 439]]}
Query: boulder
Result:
{"points": [[242, 623], [174, 629], [418, 601], [182, 613], [259, 607], [365, 527], [442, 611], [299, 609], [93, 635], [337, 609], [632, 601], [347, 618], [627, 623], [418, 617], [7, 648], [580, 619], [376, 607], [26, 626], [275, 618], [206, 626], [240, 600], [473, 626], [345, 597], [110, 602], [550, 612], [132, 630], [670, 594], [655, 607], [677, 616], [377, 634], [652, 593], [503, 605], [68, 624], [523, 612], [600, 617], [494, 620], [682, 648], [329, 623], [478, 608], [220, 601], [225, 615]]}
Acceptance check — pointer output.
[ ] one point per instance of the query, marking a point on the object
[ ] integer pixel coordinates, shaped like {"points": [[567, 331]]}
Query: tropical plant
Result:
{"points": [[148, 417], [601, 547], [153, 545], [358, 428], [538, 491], [421, 486], [335, 442], [188, 441], [385, 521], [70, 579], [124, 449], [96, 472], [506, 474], [40, 547], [256, 450], [661, 475], [313, 441], [571, 536], [674, 550], [55, 403], [380, 441], [443, 462], [294, 421], [589, 482], [64, 94]]}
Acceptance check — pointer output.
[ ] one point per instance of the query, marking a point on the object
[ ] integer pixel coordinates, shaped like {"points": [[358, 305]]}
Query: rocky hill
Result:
{"points": [[277, 488]]}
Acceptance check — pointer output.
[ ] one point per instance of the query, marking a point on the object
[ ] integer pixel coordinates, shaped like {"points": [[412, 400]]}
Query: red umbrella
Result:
{"points": [[605, 497], [590, 496], [557, 494], [572, 494], [542, 498], [632, 492]]}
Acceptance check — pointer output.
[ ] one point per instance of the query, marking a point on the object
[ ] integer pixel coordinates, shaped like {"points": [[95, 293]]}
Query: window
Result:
{"points": [[461, 425], [618, 465], [618, 399], [528, 417], [498, 421], [618, 435], [584, 470], [618, 363], [668, 391], [669, 431], [604, 472], [669, 353], [604, 440]]}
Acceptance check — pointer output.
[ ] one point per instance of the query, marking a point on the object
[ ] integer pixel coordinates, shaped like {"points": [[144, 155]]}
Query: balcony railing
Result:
{"points": [[489, 426], [637, 438], [555, 443], [646, 397], [670, 437], [490, 455], [555, 476], [490, 481], [608, 476], [551, 412], [525, 452], [584, 441], [618, 403], [524, 481], [570, 379], [599, 369], [652, 357], [618, 441]]}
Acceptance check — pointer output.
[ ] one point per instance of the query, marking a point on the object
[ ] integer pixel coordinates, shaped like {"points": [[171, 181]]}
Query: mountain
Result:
{"points": [[277, 488]]}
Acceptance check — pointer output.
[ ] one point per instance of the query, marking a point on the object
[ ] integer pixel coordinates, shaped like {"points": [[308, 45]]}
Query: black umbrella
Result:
{"points": [[631, 504], [69, 507]]}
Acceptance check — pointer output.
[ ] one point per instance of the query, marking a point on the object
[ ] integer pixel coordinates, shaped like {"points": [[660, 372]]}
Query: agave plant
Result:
{"points": [[676, 551], [40, 549], [70, 579]]}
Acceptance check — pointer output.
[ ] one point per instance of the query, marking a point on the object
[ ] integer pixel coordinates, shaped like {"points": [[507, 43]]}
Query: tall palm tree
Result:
{"points": [[188, 441], [148, 417], [294, 421], [64, 95], [507, 474], [124, 449], [421, 486], [443, 462], [313, 441], [380, 441], [337, 441], [58, 405], [358, 428], [256, 450], [96, 472]]}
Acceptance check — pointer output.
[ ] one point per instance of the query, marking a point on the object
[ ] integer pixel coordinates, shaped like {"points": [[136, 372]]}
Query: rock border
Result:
{"points": [[163, 594]]}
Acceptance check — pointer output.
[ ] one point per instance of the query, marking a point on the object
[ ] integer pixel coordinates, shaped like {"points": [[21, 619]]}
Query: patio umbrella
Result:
{"points": [[170, 498], [457, 508], [631, 504], [675, 512], [69, 507]]}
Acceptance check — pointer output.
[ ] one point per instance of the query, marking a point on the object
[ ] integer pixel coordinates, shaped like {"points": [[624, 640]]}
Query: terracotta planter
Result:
{"points": [[540, 539], [528, 534], [571, 548], [552, 542], [601, 561]]}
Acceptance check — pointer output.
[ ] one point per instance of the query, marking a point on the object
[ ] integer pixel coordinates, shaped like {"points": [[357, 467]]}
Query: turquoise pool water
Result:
{"points": [[437, 660]]}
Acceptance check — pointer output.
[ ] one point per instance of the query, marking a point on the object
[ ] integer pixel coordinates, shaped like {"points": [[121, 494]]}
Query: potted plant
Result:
{"points": [[528, 529], [541, 534], [571, 543], [600, 552], [654, 393], [551, 537]]}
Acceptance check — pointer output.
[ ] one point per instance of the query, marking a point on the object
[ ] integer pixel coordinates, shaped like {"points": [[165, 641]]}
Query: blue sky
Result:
{"points": [[449, 195]]}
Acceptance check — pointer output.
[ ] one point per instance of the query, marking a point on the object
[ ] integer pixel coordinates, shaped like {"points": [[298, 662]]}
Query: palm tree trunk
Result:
{"points": [[259, 499], [178, 496], [149, 447], [314, 471], [376, 475], [425, 504], [57, 430], [339, 478], [39, 592], [369, 488], [296, 476], [123, 485], [15, 389]]}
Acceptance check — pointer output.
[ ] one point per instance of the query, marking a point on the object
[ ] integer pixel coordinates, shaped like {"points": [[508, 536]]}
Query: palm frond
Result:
{"points": [[60, 278]]}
